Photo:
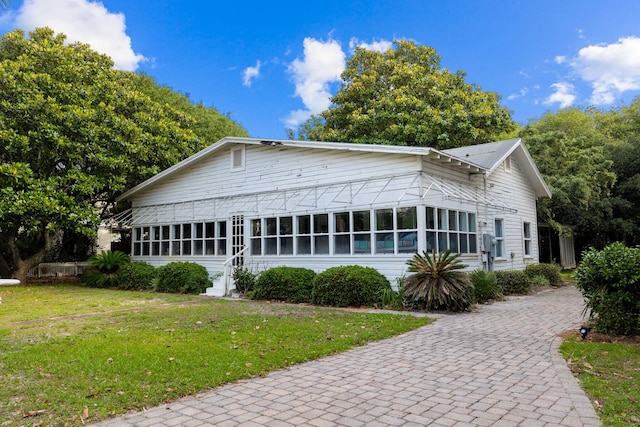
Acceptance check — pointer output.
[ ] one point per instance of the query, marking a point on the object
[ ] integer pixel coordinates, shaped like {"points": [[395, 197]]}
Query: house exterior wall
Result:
{"points": [[276, 184]]}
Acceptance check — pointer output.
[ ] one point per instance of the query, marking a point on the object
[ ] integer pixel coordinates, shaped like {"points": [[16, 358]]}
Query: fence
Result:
{"points": [[55, 269]]}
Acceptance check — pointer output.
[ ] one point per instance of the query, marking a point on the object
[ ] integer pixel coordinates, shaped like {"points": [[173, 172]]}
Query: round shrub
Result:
{"points": [[244, 279], [513, 282], [610, 284], [183, 278], [350, 285], [291, 284], [137, 276], [551, 272]]}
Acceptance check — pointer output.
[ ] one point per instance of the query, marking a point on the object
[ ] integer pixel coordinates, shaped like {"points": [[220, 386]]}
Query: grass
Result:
{"points": [[81, 369], [610, 374]]}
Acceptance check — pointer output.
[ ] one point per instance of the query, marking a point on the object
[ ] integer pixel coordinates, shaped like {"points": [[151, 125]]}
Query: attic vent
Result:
{"points": [[237, 158], [507, 164]]}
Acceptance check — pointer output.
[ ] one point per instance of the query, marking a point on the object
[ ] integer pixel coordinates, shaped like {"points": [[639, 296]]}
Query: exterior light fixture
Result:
{"points": [[584, 330]]}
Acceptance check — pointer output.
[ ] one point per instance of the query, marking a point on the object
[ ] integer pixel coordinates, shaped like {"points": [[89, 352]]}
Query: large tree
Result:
{"points": [[404, 97], [75, 133]]}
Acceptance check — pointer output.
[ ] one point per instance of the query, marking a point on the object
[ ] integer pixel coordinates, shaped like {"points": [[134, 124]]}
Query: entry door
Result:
{"points": [[237, 239]]}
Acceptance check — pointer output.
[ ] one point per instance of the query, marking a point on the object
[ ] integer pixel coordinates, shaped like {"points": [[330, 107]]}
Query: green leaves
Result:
{"points": [[403, 97]]}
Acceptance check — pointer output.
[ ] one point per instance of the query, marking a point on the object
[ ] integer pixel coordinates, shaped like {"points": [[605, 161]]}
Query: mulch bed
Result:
{"points": [[601, 338]]}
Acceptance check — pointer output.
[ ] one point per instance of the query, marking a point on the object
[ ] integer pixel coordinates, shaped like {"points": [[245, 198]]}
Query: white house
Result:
{"points": [[265, 203]]}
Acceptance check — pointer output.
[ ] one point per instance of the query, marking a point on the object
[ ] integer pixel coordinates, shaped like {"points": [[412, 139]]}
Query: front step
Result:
{"points": [[217, 290]]}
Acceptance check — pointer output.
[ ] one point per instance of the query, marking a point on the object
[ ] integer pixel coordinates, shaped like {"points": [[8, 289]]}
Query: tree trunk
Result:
{"points": [[22, 266]]}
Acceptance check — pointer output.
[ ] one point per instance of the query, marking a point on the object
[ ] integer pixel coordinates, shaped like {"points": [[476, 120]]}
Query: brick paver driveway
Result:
{"points": [[498, 366]]}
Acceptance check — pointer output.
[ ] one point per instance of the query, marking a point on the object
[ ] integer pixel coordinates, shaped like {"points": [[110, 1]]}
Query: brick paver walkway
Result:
{"points": [[498, 366]]}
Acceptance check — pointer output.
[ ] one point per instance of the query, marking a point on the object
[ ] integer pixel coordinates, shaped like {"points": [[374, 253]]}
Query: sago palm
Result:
{"points": [[438, 281]]}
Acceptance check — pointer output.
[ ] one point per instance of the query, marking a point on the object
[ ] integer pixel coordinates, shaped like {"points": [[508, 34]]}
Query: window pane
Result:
{"points": [[321, 225], [199, 230], [462, 221], [286, 246], [304, 245], [321, 245], [165, 232], [498, 228], [222, 247], [473, 245], [453, 242], [256, 227], [384, 219], [407, 218], [472, 222], [342, 222], [442, 219], [408, 242], [222, 229], [186, 247], [210, 230], [362, 243], [362, 221], [271, 226], [342, 244], [256, 247], [442, 242], [286, 226], [527, 230], [137, 234], [164, 249], [431, 219], [464, 247], [176, 231], [384, 243], [136, 249], [209, 247], [431, 241], [304, 225], [186, 231], [155, 232], [453, 220], [145, 248], [175, 248], [155, 248], [271, 246], [197, 247]]}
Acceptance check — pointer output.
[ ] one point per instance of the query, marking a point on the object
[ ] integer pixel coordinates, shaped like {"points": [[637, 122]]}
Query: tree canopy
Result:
{"points": [[76, 133], [404, 97]]}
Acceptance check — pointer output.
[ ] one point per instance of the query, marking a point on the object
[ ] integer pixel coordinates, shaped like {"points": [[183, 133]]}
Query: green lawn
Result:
{"points": [[610, 375], [79, 369]]}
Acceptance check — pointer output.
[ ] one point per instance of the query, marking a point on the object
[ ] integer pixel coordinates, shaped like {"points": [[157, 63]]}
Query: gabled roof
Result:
{"points": [[472, 161], [490, 156]]}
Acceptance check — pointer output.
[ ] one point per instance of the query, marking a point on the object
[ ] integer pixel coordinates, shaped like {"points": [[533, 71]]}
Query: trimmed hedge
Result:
{"points": [[137, 276], [513, 282], [290, 284], [183, 278], [551, 272], [350, 285]]}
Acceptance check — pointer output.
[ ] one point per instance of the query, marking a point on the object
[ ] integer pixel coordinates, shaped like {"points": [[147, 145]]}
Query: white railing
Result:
{"points": [[54, 269], [227, 271]]}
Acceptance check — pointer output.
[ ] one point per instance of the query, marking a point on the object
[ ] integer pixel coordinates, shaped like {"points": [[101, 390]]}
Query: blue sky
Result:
{"points": [[269, 64]]}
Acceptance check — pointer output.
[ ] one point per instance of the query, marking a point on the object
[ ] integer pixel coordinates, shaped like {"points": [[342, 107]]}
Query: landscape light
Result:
{"points": [[584, 330]]}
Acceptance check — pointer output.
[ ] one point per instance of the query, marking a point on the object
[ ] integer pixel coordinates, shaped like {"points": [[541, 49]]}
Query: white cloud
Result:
{"points": [[560, 59], [522, 93], [378, 46], [322, 64], [86, 22], [250, 74], [564, 95], [610, 69]]}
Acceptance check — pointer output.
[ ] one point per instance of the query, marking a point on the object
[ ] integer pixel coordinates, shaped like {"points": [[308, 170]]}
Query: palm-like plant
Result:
{"points": [[438, 282], [107, 266]]}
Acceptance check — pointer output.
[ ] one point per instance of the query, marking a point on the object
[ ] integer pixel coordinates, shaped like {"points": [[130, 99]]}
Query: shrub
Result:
{"points": [[105, 268], [551, 272], [485, 286], [244, 279], [183, 278], [137, 276], [349, 286], [395, 298], [291, 284], [438, 282], [513, 282], [610, 283]]}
